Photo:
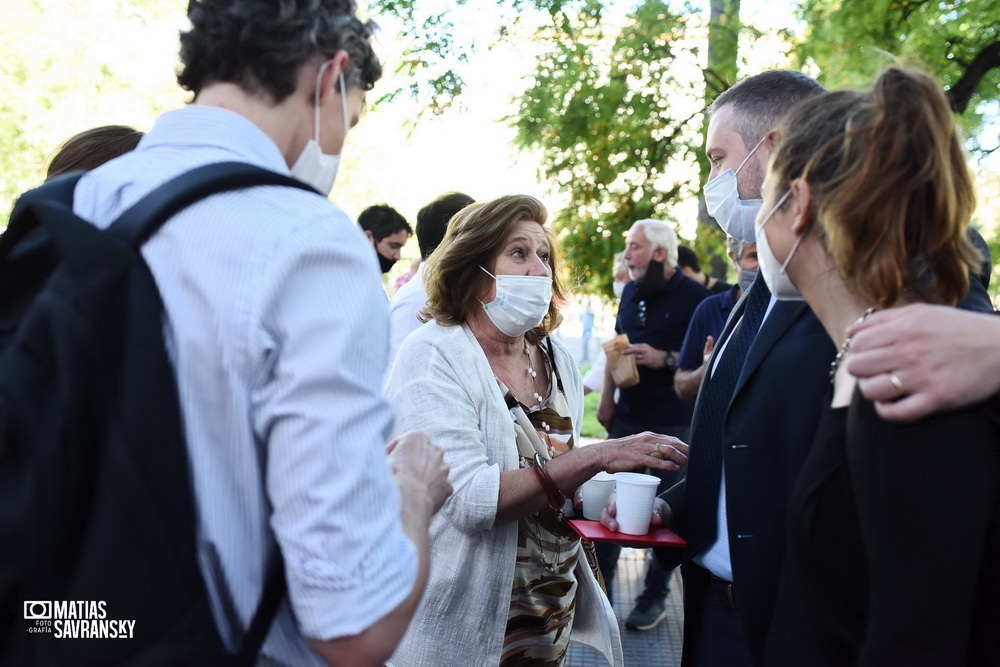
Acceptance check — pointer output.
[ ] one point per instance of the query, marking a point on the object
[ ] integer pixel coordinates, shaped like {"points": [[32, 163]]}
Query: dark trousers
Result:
{"points": [[713, 634], [656, 583]]}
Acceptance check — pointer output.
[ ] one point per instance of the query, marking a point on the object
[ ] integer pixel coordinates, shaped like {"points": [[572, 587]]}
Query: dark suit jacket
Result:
{"points": [[770, 424], [877, 509]]}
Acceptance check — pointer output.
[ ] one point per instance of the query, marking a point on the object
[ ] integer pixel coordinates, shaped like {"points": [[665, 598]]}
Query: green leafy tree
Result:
{"points": [[614, 110], [958, 41], [617, 128], [69, 65], [608, 108], [441, 43]]}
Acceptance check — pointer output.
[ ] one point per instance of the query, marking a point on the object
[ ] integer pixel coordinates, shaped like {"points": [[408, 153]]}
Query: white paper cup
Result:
{"points": [[595, 494], [635, 493]]}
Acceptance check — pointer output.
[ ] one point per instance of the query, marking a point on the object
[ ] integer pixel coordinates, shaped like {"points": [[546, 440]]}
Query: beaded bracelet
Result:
{"points": [[556, 497]]}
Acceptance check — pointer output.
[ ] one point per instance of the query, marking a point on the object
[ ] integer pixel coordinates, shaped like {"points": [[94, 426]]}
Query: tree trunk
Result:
{"points": [[720, 73]]}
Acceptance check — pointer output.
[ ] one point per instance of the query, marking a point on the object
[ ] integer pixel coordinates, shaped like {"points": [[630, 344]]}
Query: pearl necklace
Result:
{"points": [[534, 375], [538, 399], [529, 524], [845, 347]]}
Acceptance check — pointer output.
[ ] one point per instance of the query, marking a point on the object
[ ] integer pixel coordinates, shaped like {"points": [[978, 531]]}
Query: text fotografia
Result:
{"points": [[75, 619]]}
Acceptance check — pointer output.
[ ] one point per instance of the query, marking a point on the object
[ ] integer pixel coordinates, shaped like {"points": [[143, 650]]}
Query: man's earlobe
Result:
{"points": [[330, 74]]}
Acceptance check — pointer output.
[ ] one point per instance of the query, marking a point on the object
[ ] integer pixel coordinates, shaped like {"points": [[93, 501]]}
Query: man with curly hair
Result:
{"points": [[278, 331]]}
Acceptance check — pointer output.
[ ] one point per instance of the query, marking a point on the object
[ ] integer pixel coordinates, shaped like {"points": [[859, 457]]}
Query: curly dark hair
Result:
{"points": [[261, 45]]}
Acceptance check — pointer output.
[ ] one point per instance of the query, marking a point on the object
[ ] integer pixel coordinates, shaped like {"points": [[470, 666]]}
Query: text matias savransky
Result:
{"points": [[80, 619]]}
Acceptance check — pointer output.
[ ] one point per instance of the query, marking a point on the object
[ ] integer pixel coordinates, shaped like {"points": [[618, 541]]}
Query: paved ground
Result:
{"points": [[659, 647]]}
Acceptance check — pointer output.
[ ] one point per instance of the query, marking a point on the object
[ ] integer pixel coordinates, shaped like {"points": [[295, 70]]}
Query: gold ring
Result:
{"points": [[897, 383]]}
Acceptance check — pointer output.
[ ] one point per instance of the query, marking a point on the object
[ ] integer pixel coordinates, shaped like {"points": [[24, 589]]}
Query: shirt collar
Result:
{"points": [[198, 125]]}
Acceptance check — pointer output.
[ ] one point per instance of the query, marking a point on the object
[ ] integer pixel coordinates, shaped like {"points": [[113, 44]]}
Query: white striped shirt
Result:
{"points": [[278, 329]]}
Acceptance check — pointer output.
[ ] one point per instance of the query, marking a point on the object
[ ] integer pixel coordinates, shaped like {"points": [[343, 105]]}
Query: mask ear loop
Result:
{"points": [[750, 154], [491, 276], [343, 104], [770, 214], [798, 239], [795, 245], [319, 77], [791, 253]]}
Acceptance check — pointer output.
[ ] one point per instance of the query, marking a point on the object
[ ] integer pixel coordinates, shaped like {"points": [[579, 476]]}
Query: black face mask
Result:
{"points": [[384, 262], [651, 283]]}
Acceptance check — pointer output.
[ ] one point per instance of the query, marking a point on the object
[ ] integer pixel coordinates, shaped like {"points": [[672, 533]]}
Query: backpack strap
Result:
{"points": [[50, 205], [135, 226], [267, 609], [145, 217]]}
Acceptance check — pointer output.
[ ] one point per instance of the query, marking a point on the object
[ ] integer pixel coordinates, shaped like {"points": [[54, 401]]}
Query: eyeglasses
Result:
{"points": [[642, 313]]}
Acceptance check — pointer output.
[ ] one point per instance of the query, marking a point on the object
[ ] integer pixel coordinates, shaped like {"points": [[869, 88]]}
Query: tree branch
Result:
{"points": [[714, 82], [960, 94]]}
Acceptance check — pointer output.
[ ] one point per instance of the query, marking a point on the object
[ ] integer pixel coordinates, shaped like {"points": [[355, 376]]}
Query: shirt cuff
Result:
{"points": [[331, 603]]}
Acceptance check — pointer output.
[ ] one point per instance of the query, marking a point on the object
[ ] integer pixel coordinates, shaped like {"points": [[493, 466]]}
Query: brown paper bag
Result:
{"points": [[623, 369]]}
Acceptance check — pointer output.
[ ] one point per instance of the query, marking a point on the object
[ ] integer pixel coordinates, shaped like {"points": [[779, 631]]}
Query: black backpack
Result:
{"points": [[97, 516]]}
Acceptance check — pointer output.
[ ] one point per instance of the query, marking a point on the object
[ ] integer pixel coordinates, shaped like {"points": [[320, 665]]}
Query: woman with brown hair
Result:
{"points": [[509, 582], [893, 536], [92, 148]]}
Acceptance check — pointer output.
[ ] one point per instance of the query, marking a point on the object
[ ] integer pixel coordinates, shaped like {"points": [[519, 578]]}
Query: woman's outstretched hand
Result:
{"points": [[653, 450]]}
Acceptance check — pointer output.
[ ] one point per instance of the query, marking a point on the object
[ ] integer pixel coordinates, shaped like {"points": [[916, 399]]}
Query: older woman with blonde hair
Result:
{"points": [[510, 583], [893, 529]]}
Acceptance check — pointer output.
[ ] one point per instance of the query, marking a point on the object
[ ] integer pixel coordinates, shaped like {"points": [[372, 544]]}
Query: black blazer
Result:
{"points": [[770, 424]]}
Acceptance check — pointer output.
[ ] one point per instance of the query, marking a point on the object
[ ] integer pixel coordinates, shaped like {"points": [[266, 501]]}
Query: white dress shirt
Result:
{"points": [[403, 308], [716, 558], [279, 339]]}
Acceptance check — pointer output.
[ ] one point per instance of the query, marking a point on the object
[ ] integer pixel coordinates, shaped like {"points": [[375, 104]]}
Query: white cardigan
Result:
{"points": [[442, 383]]}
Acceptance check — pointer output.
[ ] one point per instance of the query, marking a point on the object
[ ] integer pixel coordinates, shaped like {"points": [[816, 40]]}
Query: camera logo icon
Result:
{"points": [[37, 610]]}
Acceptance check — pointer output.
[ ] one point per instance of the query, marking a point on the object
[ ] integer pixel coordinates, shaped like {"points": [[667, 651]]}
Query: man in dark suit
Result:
{"points": [[732, 507], [757, 409]]}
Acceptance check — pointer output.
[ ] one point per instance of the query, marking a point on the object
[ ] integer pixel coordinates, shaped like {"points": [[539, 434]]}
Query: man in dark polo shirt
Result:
{"points": [[710, 318], [687, 260], [654, 312]]}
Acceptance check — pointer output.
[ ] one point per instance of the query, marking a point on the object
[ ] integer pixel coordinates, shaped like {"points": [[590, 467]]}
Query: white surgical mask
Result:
{"points": [[774, 273], [520, 304], [722, 198], [315, 167], [618, 288]]}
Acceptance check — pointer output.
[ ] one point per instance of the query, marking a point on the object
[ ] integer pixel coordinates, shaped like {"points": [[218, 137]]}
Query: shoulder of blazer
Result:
{"points": [[782, 317], [780, 322]]}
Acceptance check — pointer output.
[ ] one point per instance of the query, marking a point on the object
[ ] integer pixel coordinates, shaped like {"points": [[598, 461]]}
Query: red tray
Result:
{"points": [[658, 537]]}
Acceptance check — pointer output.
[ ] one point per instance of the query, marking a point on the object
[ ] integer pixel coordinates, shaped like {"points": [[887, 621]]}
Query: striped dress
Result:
{"points": [[543, 597]]}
